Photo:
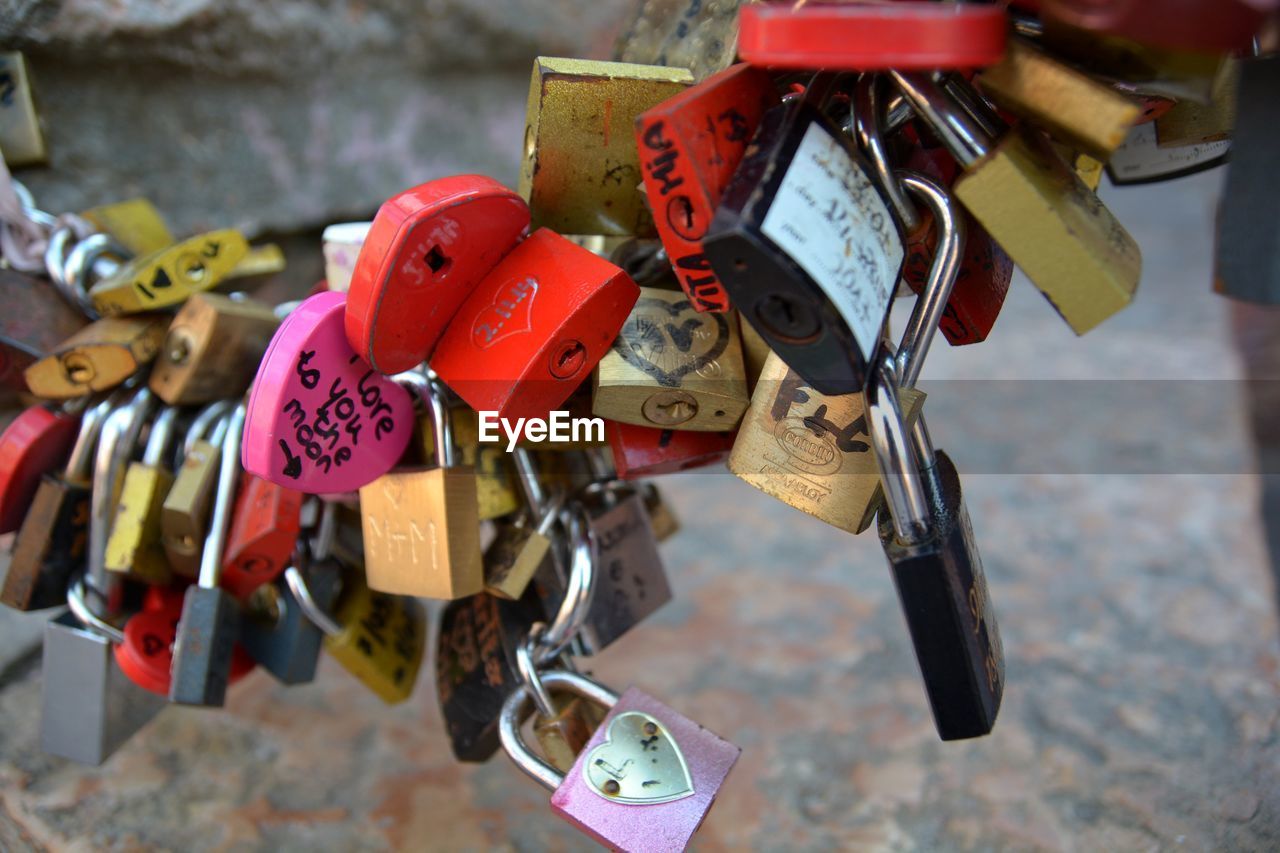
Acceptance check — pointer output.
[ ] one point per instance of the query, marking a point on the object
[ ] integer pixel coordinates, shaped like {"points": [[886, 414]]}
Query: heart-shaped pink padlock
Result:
{"points": [[320, 420]]}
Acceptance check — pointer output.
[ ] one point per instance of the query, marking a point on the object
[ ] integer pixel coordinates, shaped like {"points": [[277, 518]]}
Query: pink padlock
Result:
{"points": [[646, 779], [320, 420]]}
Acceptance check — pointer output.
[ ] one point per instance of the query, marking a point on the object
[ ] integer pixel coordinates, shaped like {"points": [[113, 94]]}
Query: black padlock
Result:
{"points": [[927, 538], [805, 242]]}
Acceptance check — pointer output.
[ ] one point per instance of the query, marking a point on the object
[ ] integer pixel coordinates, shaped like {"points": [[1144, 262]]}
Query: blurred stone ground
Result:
{"points": [[1110, 480]]}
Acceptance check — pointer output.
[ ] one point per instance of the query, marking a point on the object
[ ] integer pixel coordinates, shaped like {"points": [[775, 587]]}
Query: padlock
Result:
{"points": [[277, 633], [185, 511], [1140, 160], [98, 357], [1247, 254], [421, 532], [496, 493], [1063, 237], [203, 650], [427, 249], [1086, 167], [26, 336], [31, 446], [649, 451], [21, 130], [533, 329], [755, 351], [378, 638], [51, 542], [342, 242], [581, 168], [661, 517], [212, 349], [690, 144], [562, 723], [807, 246], [135, 224], [928, 540], [672, 367], [646, 779], [702, 37], [320, 420], [518, 549], [1200, 25], [1191, 123], [868, 37], [264, 529], [1073, 107], [169, 276], [134, 547]]}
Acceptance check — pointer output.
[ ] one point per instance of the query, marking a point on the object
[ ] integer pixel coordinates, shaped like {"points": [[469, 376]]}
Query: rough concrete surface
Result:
{"points": [[1143, 698]]}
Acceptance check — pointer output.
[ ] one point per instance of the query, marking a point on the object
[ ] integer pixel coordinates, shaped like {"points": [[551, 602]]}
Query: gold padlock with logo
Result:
{"points": [[168, 276], [673, 367]]}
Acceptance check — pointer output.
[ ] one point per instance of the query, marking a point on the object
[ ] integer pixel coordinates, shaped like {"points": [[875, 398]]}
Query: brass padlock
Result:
{"points": [[98, 357], [673, 367], [133, 546], [562, 737], [755, 352], [661, 517], [212, 349], [581, 170], [1073, 107], [519, 549], [184, 516], [1191, 123], [21, 133], [421, 533], [496, 493], [169, 276], [134, 223]]}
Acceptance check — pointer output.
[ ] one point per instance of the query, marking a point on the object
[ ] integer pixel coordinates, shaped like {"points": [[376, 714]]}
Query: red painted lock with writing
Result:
{"points": [[264, 530], [427, 249], [532, 331]]}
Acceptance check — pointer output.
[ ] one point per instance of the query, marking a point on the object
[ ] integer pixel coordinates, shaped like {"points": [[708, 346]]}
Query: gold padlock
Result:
{"points": [[21, 133], [135, 224], [421, 531], [581, 170], [1072, 106], [98, 357], [1191, 123], [673, 367], [184, 516], [380, 638], [812, 451], [133, 546], [496, 493], [755, 352], [212, 349], [168, 276], [519, 549]]}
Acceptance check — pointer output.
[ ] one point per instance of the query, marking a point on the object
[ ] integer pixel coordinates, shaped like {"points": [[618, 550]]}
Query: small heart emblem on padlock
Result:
{"points": [[320, 420], [638, 763], [669, 340]]}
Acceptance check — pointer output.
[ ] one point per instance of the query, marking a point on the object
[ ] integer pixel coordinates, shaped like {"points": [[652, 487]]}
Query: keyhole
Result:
{"points": [[683, 219], [78, 368], [438, 261], [567, 359]]}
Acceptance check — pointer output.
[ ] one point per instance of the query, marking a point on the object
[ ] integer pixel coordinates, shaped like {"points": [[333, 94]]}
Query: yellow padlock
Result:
{"points": [[133, 547], [98, 357], [169, 276], [381, 638]]}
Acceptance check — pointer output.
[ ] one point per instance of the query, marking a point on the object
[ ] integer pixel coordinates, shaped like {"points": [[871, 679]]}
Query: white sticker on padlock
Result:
{"points": [[831, 220], [1140, 157]]}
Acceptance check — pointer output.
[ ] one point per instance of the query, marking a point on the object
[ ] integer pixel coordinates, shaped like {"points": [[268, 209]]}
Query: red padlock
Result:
{"points": [[35, 443], [640, 451], [427, 249], [1200, 25], [146, 654], [690, 145], [848, 37], [264, 532], [534, 328]]}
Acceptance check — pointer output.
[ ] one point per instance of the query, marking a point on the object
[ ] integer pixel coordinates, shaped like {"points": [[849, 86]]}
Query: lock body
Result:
{"points": [[277, 634], [496, 493], [1140, 160], [690, 145], [170, 275], [1221, 26], [427, 248], [135, 224], [581, 167], [533, 329], [98, 357], [264, 528], [50, 545], [26, 336], [642, 451], [512, 558], [34, 443], [382, 640], [184, 515], [21, 131], [212, 349], [631, 581], [672, 367], [807, 247], [134, 546]]}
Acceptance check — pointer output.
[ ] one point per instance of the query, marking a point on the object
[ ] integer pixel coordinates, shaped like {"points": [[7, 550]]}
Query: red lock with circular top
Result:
{"points": [[35, 443], [426, 251], [853, 37], [264, 530]]}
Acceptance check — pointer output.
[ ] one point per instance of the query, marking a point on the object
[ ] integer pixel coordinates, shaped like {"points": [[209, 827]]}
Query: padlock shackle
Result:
{"points": [[579, 590], [550, 513], [515, 709], [202, 422], [529, 671], [307, 603], [868, 121], [964, 137], [99, 254], [932, 301], [527, 470], [163, 429], [80, 609], [79, 468], [215, 541], [904, 491]]}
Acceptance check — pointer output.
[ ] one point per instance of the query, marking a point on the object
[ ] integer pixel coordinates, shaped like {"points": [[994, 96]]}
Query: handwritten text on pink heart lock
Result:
{"points": [[320, 420]]}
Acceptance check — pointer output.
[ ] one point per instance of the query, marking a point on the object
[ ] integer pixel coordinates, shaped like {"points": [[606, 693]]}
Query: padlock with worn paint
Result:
{"points": [[641, 451], [672, 367], [421, 531], [98, 357], [1065, 240], [185, 512], [26, 336], [427, 249], [690, 145], [321, 420], [581, 169], [134, 547], [520, 547], [276, 631], [533, 329], [21, 129], [264, 528], [34, 443], [134, 223], [170, 275], [1190, 123], [212, 349], [808, 248], [660, 809], [662, 518]]}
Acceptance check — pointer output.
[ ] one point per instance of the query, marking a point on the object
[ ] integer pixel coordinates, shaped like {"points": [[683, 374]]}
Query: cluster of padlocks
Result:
{"points": [[213, 484]]}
